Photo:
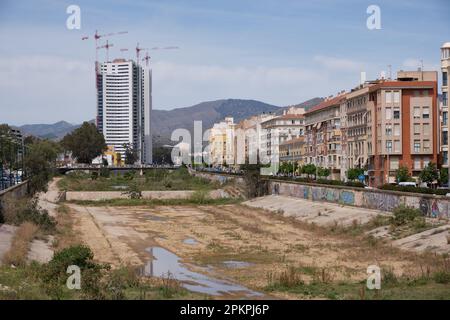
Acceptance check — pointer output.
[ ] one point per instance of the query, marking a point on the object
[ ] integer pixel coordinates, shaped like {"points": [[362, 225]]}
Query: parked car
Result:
{"points": [[407, 183]]}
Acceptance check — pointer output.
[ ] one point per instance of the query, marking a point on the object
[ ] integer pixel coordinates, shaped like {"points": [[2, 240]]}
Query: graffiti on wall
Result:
{"points": [[347, 197], [380, 201], [424, 206], [436, 208]]}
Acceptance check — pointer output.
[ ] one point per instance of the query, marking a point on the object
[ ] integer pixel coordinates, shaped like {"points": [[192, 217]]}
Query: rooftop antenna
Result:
{"points": [[390, 71]]}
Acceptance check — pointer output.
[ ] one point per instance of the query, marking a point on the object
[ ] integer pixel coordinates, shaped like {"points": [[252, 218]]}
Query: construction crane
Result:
{"points": [[147, 57], [106, 46], [97, 36], [138, 50]]}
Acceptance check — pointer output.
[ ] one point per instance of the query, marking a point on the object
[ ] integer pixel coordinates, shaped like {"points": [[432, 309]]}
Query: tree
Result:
{"points": [[429, 173], [38, 163], [354, 173], [309, 169], [443, 176], [402, 174], [86, 143], [131, 155], [323, 172]]}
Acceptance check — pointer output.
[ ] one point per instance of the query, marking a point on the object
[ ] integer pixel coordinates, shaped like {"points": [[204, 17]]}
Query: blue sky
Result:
{"points": [[277, 51]]}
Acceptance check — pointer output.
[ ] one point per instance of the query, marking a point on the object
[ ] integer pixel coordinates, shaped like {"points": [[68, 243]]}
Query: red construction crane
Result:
{"points": [[97, 36], [138, 50], [147, 57], [106, 46]]}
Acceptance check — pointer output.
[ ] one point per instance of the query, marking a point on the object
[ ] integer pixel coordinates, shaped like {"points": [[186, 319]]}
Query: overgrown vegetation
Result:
{"points": [[98, 281], [314, 282], [153, 179], [198, 198], [18, 211], [17, 254]]}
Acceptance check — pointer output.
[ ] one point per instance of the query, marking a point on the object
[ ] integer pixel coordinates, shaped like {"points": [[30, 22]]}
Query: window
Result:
{"points": [[389, 146], [396, 97], [445, 98], [426, 129], [416, 128], [444, 118], [426, 145], [445, 137], [394, 163], [416, 145], [396, 146], [416, 112], [445, 157], [426, 113], [388, 113], [388, 129], [396, 129], [417, 164], [397, 113], [444, 78], [388, 96], [426, 161]]}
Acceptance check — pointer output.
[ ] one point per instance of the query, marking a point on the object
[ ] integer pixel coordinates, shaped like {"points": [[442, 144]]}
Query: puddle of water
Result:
{"points": [[236, 264], [154, 218], [190, 241], [165, 261]]}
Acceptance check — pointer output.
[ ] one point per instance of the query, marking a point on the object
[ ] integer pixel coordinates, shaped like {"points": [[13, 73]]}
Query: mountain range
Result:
{"points": [[165, 121]]}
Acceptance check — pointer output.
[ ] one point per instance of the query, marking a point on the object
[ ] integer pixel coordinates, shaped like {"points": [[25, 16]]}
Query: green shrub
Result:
{"points": [[403, 215], [55, 272], [134, 191], [28, 210], [104, 172], [415, 189], [442, 277]]}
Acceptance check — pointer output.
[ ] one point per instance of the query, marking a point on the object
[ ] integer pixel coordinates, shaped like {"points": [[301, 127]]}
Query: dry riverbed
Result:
{"points": [[233, 251]]}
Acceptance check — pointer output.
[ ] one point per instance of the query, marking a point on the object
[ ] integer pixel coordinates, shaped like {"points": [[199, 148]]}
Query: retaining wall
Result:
{"points": [[222, 178], [166, 195], [15, 192], [431, 205]]}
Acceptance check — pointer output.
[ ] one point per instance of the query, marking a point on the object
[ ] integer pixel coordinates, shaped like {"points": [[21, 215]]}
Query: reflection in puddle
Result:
{"points": [[236, 264], [190, 241], [165, 261]]}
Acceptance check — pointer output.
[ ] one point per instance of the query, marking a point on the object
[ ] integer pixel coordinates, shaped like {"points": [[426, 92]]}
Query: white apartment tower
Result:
{"points": [[124, 104]]}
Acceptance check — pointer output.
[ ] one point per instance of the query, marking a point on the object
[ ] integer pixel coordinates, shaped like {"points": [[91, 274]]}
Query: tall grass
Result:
{"points": [[18, 252]]}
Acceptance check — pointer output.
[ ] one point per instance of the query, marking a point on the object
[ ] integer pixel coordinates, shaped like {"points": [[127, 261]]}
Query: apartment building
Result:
{"points": [[323, 135], [293, 151], [221, 142], [124, 103], [276, 131], [247, 139], [402, 126], [443, 103]]}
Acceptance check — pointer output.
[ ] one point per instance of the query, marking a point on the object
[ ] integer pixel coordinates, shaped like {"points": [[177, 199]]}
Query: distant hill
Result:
{"points": [[308, 104], [165, 121], [53, 131]]}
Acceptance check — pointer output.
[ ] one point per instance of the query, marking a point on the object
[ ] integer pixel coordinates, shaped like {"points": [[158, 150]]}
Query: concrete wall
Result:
{"points": [[108, 195], [222, 178], [15, 192], [430, 205]]}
